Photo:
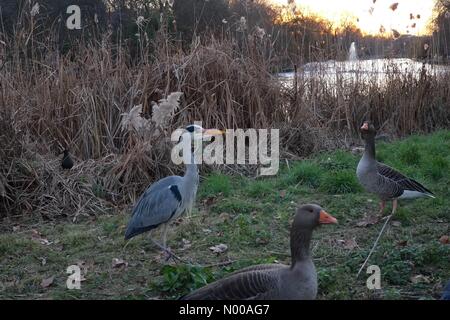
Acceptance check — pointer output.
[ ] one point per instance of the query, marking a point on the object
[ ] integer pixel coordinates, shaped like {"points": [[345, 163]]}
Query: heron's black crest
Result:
{"points": [[175, 192], [193, 127]]}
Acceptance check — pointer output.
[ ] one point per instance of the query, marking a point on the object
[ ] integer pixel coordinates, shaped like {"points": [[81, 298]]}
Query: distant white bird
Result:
{"points": [[170, 197]]}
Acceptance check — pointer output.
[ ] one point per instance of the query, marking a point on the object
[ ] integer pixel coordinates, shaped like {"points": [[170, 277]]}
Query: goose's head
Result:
{"points": [[310, 216], [367, 130]]}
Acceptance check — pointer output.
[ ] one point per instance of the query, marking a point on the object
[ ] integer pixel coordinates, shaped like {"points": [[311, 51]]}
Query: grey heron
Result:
{"points": [[170, 197]]}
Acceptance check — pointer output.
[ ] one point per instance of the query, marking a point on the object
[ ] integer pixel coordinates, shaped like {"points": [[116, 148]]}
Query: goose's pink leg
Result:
{"points": [[394, 205], [382, 206]]}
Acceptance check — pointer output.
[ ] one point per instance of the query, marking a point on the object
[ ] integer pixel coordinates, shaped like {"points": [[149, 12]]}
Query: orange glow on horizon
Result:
{"points": [[410, 17]]}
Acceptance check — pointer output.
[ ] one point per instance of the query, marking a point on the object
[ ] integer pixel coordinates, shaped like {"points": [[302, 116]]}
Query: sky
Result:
{"points": [[369, 23]]}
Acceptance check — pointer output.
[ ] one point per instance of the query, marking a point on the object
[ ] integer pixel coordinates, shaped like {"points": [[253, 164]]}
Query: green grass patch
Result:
{"points": [[305, 173], [340, 182], [215, 184]]}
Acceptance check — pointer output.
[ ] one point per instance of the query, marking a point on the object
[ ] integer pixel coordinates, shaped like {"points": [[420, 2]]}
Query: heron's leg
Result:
{"points": [[382, 206], [164, 236], [394, 205], [169, 253], [163, 246], [156, 243]]}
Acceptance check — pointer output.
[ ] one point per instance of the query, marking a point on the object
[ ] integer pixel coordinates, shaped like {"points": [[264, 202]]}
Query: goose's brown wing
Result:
{"points": [[260, 267], [403, 182], [245, 285]]}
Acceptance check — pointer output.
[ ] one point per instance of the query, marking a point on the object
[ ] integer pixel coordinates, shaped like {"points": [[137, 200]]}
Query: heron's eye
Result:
{"points": [[190, 129]]}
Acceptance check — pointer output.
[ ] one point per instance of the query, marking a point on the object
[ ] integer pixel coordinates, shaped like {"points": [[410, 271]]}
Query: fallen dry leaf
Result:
{"points": [[45, 283], [209, 201], [207, 231], [282, 193], [186, 244], [420, 279], [262, 241], [117, 263], [220, 248], [396, 223], [36, 236], [223, 217], [367, 221], [402, 243], [444, 240], [348, 244]]}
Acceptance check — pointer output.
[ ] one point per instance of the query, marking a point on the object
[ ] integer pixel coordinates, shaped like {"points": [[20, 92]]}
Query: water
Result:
{"points": [[372, 70]]}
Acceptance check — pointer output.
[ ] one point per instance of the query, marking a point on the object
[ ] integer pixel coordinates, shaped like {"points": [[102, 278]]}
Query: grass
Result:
{"points": [[252, 217]]}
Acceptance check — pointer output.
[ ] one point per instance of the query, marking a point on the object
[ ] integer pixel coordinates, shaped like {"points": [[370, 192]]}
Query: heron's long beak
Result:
{"points": [[212, 132], [326, 218]]}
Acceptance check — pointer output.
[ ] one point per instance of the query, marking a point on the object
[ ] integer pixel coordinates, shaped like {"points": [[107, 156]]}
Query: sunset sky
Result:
{"points": [[337, 10]]}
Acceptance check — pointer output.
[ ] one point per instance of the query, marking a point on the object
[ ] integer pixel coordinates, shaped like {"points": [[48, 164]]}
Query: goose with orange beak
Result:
{"points": [[297, 281], [382, 180]]}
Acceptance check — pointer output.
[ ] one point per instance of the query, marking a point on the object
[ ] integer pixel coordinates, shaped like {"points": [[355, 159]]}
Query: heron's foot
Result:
{"points": [[170, 255]]}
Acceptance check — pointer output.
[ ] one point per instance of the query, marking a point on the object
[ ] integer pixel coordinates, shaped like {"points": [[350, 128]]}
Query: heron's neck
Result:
{"points": [[191, 169], [300, 241]]}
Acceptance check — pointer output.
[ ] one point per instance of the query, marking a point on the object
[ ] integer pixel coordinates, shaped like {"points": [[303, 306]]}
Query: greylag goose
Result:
{"points": [[382, 180], [168, 198], [275, 281]]}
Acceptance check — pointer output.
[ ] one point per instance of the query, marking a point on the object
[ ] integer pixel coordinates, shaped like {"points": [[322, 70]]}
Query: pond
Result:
{"points": [[372, 70]]}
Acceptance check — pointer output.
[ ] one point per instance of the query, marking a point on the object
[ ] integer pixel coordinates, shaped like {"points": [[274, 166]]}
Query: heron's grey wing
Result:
{"points": [[249, 285], [401, 180], [157, 205]]}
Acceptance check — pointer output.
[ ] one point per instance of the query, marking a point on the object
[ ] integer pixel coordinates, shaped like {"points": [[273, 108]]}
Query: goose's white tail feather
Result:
{"points": [[409, 194]]}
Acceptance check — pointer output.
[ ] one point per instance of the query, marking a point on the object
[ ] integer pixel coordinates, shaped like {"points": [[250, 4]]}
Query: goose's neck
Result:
{"points": [[300, 245], [369, 150]]}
